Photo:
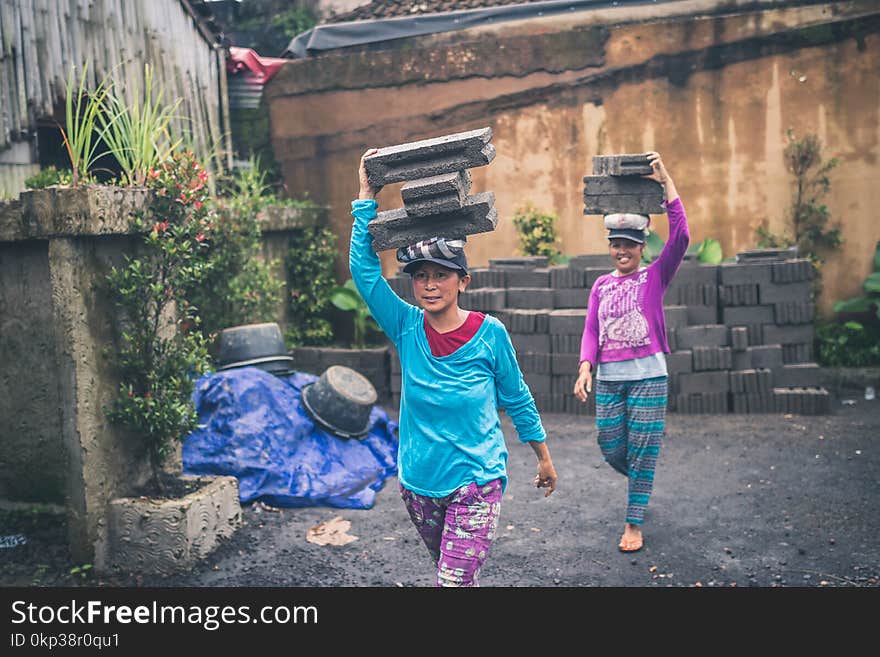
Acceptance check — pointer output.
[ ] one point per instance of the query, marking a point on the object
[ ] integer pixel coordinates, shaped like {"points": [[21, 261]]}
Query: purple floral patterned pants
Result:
{"points": [[457, 529]]}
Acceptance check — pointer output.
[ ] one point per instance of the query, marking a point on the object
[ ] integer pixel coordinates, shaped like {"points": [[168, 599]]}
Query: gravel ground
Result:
{"points": [[761, 500]]}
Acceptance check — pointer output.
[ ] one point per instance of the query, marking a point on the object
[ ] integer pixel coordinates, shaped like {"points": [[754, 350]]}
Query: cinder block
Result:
{"points": [[700, 315], [528, 277], [564, 364], [793, 334], [543, 402], [568, 322], [803, 401], [592, 274], [739, 338], [485, 299], [711, 358], [678, 362], [704, 382], [795, 312], [563, 384], [767, 254], [625, 164], [565, 344], [430, 157], [531, 342], [570, 298], [793, 271], [395, 383], [590, 260], [526, 320], [537, 383], [671, 341], [702, 403], [745, 273], [766, 356], [565, 277], [502, 316], [519, 262], [695, 273], [745, 294], [609, 194], [770, 293], [394, 228], [443, 193], [676, 316], [797, 353], [799, 375], [744, 315], [485, 277], [529, 297], [741, 360], [709, 335]]}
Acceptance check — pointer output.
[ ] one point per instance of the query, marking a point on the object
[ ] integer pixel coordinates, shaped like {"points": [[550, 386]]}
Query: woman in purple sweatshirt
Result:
{"points": [[622, 347]]}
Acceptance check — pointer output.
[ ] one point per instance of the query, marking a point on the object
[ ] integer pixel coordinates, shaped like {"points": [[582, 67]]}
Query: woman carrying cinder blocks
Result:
{"points": [[622, 347], [458, 367]]}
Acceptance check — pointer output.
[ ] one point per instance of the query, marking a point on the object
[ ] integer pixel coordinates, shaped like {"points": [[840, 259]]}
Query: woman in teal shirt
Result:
{"points": [[458, 368]]}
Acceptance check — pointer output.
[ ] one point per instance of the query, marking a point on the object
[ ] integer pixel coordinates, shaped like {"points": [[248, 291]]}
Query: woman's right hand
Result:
{"points": [[366, 189], [584, 384]]}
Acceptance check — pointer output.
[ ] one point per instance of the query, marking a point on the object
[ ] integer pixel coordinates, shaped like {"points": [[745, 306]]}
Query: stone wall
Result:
{"points": [[713, 86], [740, 334], [56, 443]]}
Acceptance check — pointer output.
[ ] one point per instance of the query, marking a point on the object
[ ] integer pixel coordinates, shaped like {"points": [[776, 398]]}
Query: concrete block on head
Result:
{"points": [[394, 228], [430, 157], [624, 164], [611, 194], [437, 194]]}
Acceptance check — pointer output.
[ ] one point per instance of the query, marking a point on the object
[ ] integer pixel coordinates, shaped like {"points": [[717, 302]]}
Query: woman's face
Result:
{"points": [[627, 255], [436, 287]]}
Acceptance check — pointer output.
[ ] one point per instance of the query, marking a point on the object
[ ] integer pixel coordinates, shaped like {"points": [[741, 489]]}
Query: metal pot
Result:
{"points": [[341, 401], [260, 345]]}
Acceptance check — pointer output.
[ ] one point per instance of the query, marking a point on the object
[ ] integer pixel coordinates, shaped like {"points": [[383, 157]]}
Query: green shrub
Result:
{"points": [[239, 286], [160, 352], [48, 177], [310, 279], [848, 344], [347, 298], [537, 233]]}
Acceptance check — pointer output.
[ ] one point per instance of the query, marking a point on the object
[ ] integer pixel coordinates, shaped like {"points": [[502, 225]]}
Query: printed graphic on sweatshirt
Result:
{"points": [[621, 322]]}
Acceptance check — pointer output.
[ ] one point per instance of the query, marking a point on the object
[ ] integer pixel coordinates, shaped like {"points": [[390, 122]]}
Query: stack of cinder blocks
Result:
{"points": [[617, 186], [436, 200], [735, 346]]}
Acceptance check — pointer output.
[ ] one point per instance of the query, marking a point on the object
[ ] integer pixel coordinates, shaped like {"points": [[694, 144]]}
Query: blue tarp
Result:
{"points": [[252, 427]]}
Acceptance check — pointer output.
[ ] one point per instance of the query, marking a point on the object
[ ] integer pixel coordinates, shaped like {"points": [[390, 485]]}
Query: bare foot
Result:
{"points": [[631, 541]]}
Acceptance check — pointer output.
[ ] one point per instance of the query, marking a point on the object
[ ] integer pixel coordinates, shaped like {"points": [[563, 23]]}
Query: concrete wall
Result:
{"points": [[712, 88], [56, 443]]}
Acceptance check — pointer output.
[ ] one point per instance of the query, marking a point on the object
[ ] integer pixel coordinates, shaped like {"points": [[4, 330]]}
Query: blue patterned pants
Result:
{"points": [[630, 418]]}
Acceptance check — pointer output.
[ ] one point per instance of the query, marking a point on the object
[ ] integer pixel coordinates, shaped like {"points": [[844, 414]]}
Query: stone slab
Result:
{"points": [[430, 157], [624, 164], [394, 228]]}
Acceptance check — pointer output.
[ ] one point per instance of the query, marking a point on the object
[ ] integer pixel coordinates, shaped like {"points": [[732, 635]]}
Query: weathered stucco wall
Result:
{"points": [[32, 456], [715, 93]]}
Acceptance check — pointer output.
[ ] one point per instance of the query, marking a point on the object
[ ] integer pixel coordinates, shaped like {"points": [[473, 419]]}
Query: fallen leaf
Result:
{"points": [[332, 532], [652, 569]]}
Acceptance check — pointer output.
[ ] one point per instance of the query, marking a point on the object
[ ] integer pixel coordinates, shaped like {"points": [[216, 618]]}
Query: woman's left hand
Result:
{"points": [[546, 477]]}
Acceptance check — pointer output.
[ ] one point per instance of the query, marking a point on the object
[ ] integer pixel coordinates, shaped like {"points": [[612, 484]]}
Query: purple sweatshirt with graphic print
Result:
{"points": [[625, 313]]}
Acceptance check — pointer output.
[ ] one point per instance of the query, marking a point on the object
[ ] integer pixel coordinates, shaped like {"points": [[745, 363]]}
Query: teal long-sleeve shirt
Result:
{"points": [[450, 431]]}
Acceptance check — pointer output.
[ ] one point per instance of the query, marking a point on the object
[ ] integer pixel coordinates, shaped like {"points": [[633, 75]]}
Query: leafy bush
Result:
{"points": [[310, 279], [81, 111], [848, 344], [239, 286], [537, 232], [48, 177], [708, 251], [349, 299], [160, 352], [870, 302], [809, 220]]}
